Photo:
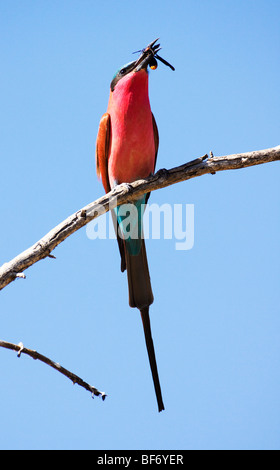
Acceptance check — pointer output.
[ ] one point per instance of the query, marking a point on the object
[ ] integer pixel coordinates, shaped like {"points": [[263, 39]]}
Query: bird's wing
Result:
{"points": [[156, 137], [102, 150], [101, 159]]}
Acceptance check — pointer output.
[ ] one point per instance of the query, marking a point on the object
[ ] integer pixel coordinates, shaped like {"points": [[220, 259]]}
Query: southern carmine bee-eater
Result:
{"points": [[126, 150]]}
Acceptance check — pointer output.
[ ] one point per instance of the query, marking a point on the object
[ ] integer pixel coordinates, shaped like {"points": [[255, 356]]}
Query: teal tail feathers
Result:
{"points": [[134, 260]]}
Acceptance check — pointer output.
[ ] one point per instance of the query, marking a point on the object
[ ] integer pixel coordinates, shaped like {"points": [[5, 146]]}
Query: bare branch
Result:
{"points": [[124, 193], [35, 355]]}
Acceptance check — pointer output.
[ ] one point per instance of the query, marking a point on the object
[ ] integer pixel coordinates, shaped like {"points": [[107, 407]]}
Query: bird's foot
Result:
{"points": [[162, 173], [126, 186]]}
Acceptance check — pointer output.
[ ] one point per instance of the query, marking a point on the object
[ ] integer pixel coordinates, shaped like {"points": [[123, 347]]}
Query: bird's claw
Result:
{"points": [[162, 173], [127, 186]]}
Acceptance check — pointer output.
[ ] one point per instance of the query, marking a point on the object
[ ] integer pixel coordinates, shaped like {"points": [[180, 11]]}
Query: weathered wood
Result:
{"points": [[125, 193], [20, 349]]}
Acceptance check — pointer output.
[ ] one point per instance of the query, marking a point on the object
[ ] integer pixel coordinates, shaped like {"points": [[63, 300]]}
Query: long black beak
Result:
{"points": [[148, 54]]}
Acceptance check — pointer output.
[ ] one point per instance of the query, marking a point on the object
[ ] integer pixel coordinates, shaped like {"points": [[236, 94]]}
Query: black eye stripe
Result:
{"points": [[121, 73]]}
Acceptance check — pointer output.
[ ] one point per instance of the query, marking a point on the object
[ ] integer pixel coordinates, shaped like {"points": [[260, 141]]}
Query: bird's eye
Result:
{"points": [[122, 71], [153, 64]]}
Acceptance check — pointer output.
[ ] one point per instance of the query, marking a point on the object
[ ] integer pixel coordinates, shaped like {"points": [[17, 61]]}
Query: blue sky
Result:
{"points": [[215, 318]]}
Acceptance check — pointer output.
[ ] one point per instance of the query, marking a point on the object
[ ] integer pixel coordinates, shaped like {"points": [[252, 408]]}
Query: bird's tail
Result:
{"points": [[134, 260], [138, 276], [151, 353], [141, 296]]}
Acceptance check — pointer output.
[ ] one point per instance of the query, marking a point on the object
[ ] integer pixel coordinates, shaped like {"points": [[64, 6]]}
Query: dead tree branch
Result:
{"points": [[123, 194], [20, 349]]}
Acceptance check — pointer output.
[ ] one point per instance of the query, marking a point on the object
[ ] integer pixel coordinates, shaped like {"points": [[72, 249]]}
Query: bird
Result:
{"points": [[126, 150]]}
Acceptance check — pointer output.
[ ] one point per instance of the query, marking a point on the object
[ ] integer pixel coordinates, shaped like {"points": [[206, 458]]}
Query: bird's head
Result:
{"points": [[148, 57]]}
